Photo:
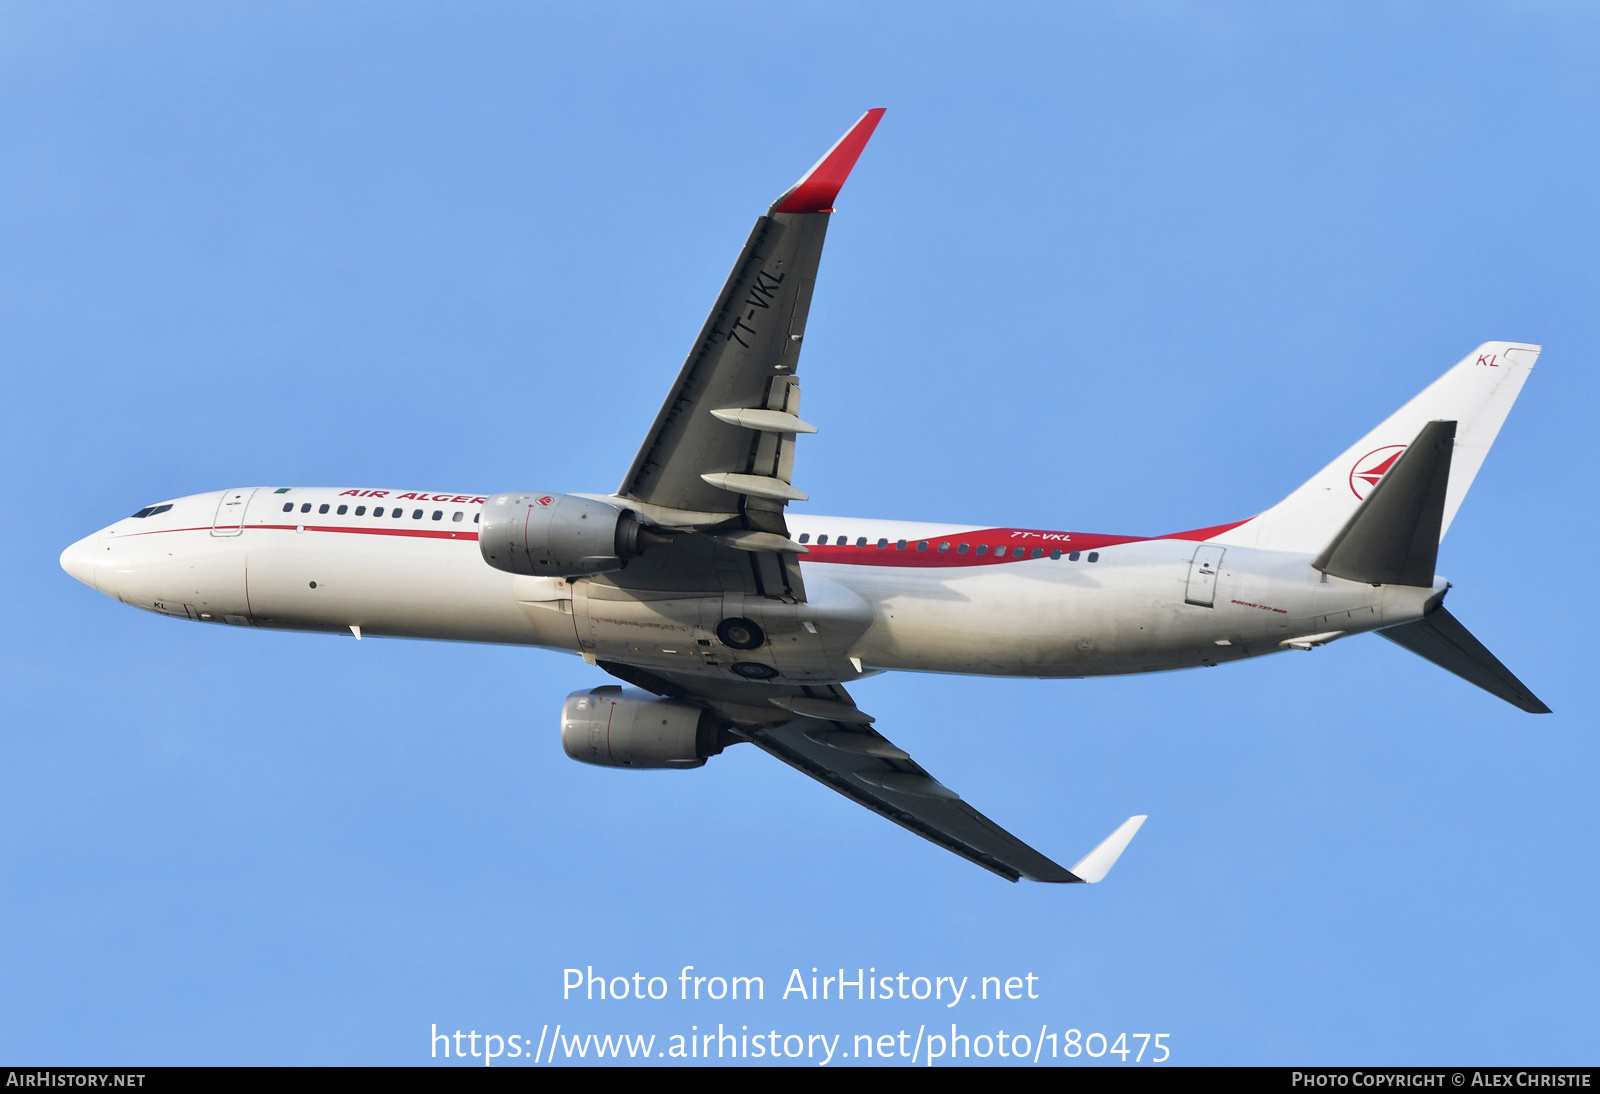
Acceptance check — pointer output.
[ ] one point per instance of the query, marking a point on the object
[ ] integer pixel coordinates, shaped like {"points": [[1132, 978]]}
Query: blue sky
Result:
{"points": [[1124, 270]]}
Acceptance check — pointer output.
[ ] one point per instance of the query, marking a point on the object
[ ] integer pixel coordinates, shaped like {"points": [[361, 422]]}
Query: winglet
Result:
{"points": [[1098, 863], [817, 188]]}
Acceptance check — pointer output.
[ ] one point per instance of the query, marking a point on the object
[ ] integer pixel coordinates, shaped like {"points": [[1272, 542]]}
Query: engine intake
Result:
{"points": [[560, 535], [612, 728]]}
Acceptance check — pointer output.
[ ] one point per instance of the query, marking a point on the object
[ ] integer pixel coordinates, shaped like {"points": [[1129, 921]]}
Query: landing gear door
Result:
{"points": [[230, 512], [1203, 570]]}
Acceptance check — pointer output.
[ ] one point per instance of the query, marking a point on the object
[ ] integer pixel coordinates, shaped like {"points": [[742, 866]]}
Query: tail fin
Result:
{"points": [[1476, 394]]}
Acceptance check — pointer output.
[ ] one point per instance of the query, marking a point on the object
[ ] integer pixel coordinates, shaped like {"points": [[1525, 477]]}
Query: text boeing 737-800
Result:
{"points": [[738, 622]]}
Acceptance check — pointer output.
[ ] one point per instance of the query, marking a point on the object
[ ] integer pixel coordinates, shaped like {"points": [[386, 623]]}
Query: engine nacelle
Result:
{"points": [[610, 728], [559, 535]]}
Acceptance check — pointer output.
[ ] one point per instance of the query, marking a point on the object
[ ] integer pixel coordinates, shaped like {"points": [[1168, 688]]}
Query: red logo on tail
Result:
{"points": [[1372, 467]]}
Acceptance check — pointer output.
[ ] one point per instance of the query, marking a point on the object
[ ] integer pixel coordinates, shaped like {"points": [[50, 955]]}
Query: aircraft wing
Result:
{"points": [[720, 455], [819, 730]]}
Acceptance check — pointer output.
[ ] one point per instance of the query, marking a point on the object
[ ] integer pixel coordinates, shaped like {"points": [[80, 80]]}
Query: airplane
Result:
{"points": [[734, 621]]}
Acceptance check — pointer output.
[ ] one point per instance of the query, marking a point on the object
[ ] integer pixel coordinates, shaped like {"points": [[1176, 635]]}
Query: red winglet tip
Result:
{"points": [[817, 188]]}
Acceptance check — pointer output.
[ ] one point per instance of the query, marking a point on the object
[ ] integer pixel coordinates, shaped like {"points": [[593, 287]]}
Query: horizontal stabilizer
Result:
{"points": [[1393, 536], [1098, 863], [1441, 638]]}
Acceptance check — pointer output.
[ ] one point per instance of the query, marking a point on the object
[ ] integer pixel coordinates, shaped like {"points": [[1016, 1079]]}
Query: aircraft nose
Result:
{"points": [[81, 560]]}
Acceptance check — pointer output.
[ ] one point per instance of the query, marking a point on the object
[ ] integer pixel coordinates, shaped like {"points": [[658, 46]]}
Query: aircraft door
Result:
{"points": [[230, 512], [1203, 570]]}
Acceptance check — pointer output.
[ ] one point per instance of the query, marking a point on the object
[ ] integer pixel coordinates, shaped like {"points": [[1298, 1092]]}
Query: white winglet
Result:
{"points": [[1098, 863]]}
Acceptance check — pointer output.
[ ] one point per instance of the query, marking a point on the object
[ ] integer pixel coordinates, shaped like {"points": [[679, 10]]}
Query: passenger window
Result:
{"points": [[438, 514], [922, 545], [342, 510], [1056, 554], [378, 512], [288, 507], [962, 549], [882, 543], [306, 508], [805, 537], [457, 518], [900, 545], [323, 508], [1038, 552], [1094, 556], [841, 541], [861, 541], [399, 512], [475, 517], [416, 515], [983, 548], [1073, 557], [944, 548], [361, 511], [999, 552], [822, 541]]}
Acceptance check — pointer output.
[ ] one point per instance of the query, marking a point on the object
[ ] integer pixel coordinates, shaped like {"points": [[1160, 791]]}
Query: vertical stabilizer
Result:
{"points": [[1476, 394]]}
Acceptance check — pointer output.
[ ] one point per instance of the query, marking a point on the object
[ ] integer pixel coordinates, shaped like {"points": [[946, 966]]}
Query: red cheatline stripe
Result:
{"points": [[1009, 538], [160, 531], [1199, 535], [417, 533], [850, 554]]}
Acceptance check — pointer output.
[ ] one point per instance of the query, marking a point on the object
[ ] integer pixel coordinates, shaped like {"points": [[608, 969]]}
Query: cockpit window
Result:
{"points": [[152, 510]]}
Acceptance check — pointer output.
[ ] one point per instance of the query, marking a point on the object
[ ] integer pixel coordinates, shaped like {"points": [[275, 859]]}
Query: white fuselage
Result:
{"points": [[932, 598]]}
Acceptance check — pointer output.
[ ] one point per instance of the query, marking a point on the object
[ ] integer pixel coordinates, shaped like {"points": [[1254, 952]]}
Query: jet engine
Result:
{"points": [[610, 728], [560, 535]]}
